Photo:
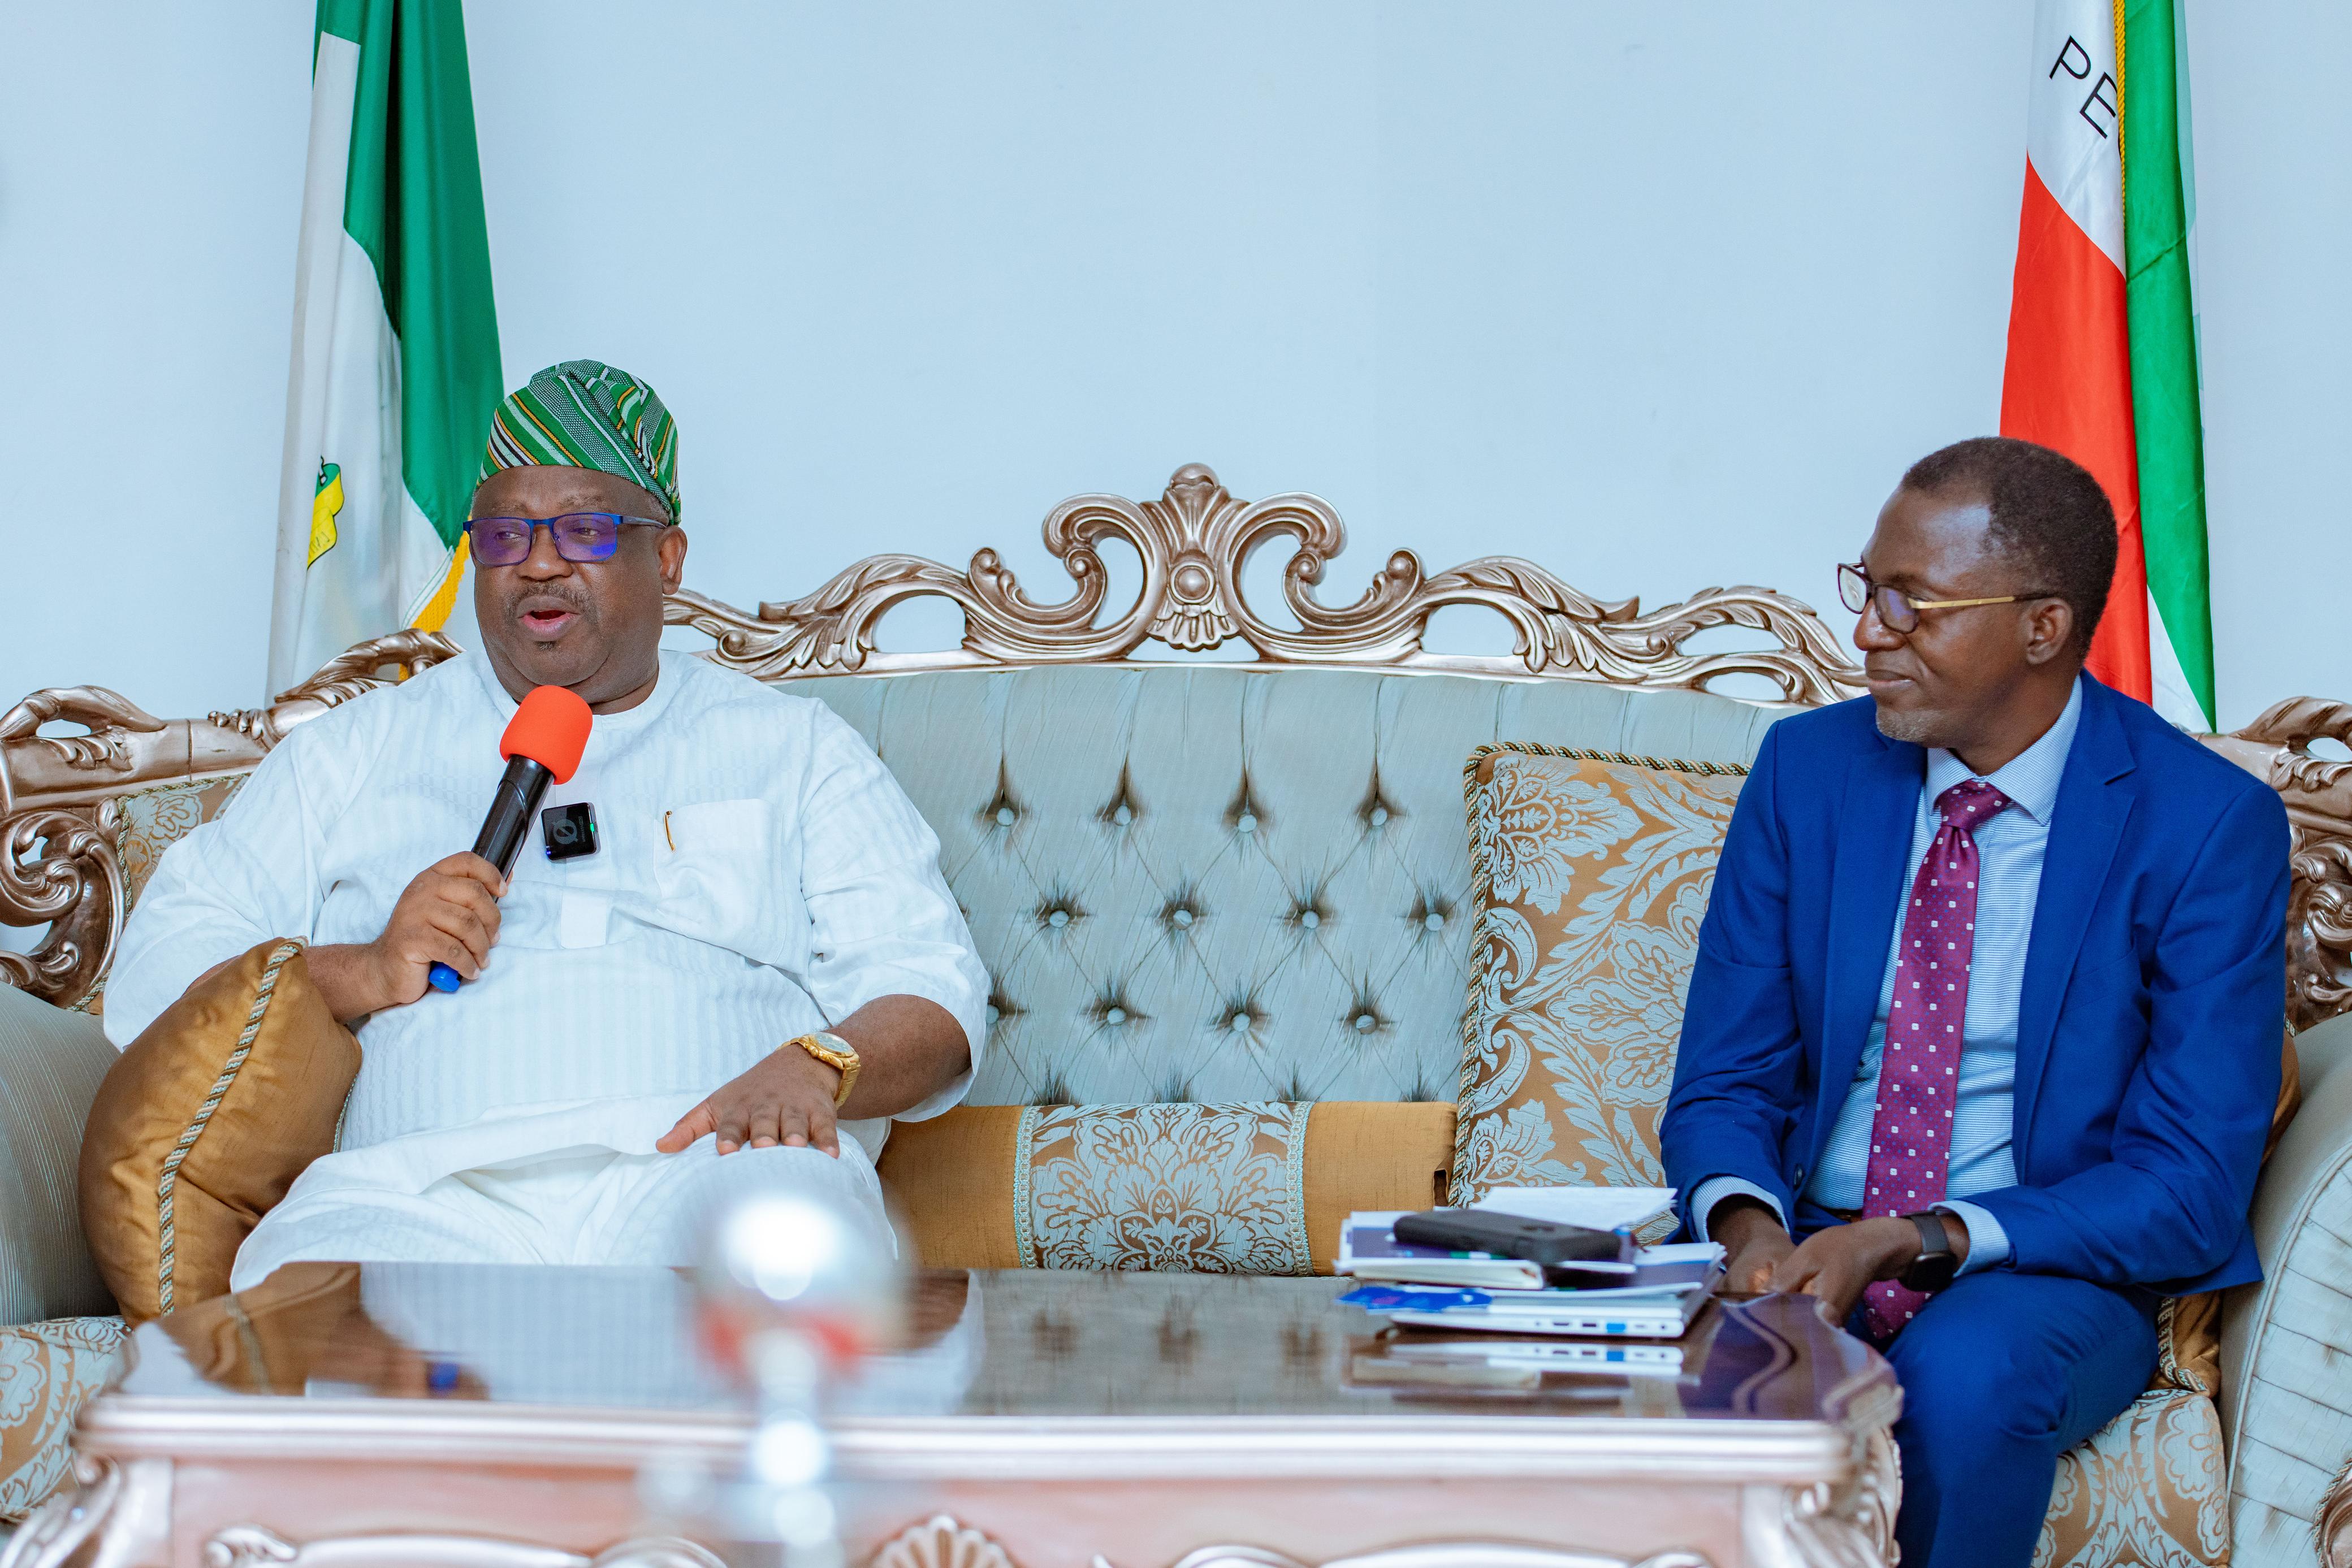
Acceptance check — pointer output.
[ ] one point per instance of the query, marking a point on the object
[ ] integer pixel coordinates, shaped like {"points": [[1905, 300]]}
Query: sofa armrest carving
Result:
{"points": [[110, 720], [60, 826], [2317, 793], [59, 870], [357, 669], [1195, 540]]}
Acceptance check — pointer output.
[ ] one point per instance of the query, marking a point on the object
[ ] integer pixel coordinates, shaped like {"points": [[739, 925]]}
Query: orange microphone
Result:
{"points": [[543, 746]]}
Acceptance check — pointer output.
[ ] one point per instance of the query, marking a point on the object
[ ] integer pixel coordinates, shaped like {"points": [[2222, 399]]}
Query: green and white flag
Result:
{"points": [[395, 338]]}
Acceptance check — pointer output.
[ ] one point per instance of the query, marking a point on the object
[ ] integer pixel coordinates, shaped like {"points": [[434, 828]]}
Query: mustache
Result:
{"points": [[578, 603]]}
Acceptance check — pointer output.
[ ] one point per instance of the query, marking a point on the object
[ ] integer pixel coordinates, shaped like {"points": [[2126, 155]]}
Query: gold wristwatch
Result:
{"points": [[835, 1052]]}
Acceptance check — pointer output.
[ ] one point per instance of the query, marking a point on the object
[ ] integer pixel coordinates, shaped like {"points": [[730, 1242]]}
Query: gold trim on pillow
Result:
{"points": [[166, 1229]]}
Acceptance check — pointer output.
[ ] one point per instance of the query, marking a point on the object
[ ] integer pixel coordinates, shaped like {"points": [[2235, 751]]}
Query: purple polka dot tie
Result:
{"points": [[1919, 1070]]}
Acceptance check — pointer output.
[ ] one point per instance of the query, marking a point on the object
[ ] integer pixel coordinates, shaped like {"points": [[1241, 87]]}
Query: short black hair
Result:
{"points": [[2047, 511]]}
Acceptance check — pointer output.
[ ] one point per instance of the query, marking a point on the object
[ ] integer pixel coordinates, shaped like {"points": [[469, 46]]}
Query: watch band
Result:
{"points": [[835, 1052], [1938, 1263]]}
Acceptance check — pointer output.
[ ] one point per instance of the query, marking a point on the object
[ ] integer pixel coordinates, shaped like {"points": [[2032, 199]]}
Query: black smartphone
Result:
{"points": [[1544, 1241]]}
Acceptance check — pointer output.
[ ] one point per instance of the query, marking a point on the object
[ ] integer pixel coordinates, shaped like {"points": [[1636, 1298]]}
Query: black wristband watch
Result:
{"points": [[1936, 1263]]}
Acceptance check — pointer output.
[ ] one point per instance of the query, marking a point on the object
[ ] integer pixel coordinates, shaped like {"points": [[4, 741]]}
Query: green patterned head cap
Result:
{"points": [[585, 414]]}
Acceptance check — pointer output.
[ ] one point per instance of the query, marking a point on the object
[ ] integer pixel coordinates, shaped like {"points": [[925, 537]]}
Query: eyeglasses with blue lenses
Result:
{"points": [[579, 536]]}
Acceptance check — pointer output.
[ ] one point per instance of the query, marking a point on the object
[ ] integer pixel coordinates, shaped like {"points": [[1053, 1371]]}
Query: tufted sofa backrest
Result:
{"points": [[1192, 883]]}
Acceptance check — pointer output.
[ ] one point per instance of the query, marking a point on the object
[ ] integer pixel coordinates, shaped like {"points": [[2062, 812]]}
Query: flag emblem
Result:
{"points": [[323, 507]]}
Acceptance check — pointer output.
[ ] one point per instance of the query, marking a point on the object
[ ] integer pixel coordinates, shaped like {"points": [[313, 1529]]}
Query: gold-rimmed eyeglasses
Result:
{"points": [[1897, 609]]}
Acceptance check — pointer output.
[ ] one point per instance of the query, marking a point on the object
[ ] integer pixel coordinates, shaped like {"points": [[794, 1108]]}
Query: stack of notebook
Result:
{"points": [[1652, 1295]]}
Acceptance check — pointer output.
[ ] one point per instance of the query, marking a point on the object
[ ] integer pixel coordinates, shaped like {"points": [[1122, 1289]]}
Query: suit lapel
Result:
{"points": [[2085, 826], [1873, 845]]}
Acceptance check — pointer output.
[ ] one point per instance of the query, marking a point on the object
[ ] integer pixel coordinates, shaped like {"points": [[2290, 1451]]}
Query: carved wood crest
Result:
{"points": [[1194, 542], [59, 821]]}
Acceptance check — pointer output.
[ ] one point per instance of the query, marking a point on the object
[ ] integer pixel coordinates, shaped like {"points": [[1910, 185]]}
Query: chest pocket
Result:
{"points": [[717, 874]]}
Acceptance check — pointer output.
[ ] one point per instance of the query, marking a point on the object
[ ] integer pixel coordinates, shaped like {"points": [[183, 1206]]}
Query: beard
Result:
{"points": [[1917, 727]]}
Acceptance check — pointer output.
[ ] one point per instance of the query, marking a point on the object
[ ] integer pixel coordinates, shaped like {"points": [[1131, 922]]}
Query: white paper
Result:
{"points": [[1682, 1252], [1594, 1208]]}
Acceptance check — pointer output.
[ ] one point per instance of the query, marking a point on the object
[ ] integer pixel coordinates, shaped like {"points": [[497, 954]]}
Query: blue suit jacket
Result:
{"points": [[2149, 1023]]}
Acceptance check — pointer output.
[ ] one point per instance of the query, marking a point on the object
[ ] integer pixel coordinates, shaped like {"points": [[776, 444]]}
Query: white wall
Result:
{"points": [[1661, 294]]}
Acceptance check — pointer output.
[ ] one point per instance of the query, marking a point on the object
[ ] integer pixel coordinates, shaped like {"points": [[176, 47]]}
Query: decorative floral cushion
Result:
{"points": [[2149, 1490], [155, 819], [1590, 874], [1216, 1189], [48, 1371], [151, 821]]}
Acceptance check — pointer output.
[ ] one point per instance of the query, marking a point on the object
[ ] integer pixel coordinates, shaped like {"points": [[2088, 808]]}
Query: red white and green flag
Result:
{"points": [[2103, 327], [395, 367]]}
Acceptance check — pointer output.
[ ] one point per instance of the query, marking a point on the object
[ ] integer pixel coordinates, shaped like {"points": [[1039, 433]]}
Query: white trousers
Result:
{"points": [[581, 1204]]}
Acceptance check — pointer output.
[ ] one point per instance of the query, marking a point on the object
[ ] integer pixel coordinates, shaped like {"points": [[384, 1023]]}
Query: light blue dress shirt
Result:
{"points": [[2010, 847]]}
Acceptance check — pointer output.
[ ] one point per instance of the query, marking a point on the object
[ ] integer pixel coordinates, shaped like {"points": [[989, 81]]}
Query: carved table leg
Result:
{"points": [[112, 1516], [1801, 1527]]}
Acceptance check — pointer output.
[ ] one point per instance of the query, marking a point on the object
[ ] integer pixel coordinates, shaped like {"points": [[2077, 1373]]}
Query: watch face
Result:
{"points": [[1936, 1265], [1931, 1273]]}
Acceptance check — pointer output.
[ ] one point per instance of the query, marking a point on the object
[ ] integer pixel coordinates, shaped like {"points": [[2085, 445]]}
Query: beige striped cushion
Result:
{"points": [[2293, 1428], [50, 1064], [2286, 1374]]}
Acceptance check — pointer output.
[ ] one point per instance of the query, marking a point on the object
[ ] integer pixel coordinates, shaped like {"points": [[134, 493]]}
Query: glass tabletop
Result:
{"points": [[1026, 1343]]}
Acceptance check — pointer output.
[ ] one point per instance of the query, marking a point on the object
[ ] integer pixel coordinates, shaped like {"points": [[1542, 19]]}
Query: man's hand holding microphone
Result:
{"points": [[449, 914], [444, 924]]}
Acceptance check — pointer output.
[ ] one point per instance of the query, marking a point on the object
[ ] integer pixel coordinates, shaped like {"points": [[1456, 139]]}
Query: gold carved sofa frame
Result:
{"points": [[61, 822], [62, 796]]}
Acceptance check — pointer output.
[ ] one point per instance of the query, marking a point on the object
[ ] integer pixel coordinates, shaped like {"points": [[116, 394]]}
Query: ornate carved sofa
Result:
{"points": [[1229, 911]]}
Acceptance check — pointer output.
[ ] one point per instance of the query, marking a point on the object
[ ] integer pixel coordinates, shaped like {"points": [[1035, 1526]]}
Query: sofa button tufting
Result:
{"points": [[1432, 922], [1058, 918], [1116, 1015], [1239, 1024], [1182, 917], [1309, 919], [995, 1015], [1364, 1022], [1123, 816], [1247, 823], [1005, 816], [1380, 816]]}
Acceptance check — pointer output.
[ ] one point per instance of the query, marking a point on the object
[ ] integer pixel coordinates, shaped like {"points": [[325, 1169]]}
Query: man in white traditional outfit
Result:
{"points": [[760, 943]]}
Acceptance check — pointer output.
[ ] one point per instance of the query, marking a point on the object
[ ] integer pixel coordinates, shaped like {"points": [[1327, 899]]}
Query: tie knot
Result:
{"points": [[1970, 802]]}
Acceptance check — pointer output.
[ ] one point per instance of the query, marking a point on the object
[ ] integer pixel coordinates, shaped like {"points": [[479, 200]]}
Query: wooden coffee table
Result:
{"points": [[340, 1417]]}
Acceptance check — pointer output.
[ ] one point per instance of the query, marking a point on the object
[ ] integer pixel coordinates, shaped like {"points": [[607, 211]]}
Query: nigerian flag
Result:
{"points": [[395, 366]]}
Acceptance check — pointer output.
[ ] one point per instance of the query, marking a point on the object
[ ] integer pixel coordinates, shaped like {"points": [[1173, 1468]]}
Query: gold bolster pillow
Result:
{"points": [[203, 1124], [957, 1181]]}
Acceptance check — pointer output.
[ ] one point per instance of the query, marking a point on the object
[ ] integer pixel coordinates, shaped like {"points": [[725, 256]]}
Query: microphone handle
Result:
{"points": [[504, 829]]}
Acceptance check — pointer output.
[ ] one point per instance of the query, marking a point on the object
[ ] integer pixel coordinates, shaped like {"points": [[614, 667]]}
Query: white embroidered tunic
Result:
{"points": [[759, 875]]}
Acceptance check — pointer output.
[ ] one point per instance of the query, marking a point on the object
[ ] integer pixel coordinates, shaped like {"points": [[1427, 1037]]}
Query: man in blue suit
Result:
{"points": [[1982, 1043]]}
